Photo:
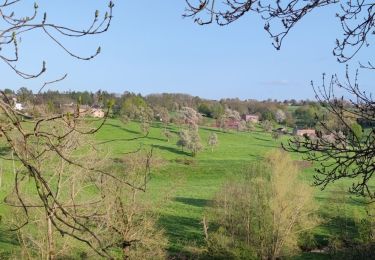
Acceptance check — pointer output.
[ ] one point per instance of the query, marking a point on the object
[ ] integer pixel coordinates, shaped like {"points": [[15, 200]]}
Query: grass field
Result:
{"points": [[181, 191]]}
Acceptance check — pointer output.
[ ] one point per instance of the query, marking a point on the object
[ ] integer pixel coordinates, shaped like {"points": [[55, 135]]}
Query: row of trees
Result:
{"points": [[126, 103]]}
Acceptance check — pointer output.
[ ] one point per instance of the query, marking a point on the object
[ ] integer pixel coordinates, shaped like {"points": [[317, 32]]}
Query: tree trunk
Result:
{"points": [[51, 244], [1, 174]]}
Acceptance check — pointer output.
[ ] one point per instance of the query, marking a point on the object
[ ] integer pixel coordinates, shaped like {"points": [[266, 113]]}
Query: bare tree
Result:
{"points": [[130, 223], [346, 154], [213, 140], [280, 116], [356, 18], [50, 141], [267, 126], [341, 155]]}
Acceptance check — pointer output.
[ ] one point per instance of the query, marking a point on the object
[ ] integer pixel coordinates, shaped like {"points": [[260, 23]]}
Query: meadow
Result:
{"points": [[183, 186]]}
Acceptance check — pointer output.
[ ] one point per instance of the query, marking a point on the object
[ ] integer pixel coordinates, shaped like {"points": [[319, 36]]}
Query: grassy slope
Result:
{"points": [[191, 187]]}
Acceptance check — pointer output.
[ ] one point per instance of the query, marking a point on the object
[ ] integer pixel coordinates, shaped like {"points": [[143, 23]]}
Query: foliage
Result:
{"points": [[276, 135], [344, 154], [184, 139], [213, 140], [195, 144], [280, 116], [130, 223], [267, 125], [262, 215]]}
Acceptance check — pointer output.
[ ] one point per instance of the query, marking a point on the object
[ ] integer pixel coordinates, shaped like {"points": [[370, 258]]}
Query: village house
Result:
{"points": [[97, 112], [304, 132], [17, 105], [251, 118]]}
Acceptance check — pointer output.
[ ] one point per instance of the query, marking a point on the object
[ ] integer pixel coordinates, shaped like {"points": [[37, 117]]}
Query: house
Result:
{"points": [[97, 112], [251, 118], [18, 106], [304, 132], [71, 108]]}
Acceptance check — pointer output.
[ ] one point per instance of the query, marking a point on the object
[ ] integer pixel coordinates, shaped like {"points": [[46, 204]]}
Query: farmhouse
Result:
{"points": [[97, 112], [18, 106], [302, 132], [251, 118]]}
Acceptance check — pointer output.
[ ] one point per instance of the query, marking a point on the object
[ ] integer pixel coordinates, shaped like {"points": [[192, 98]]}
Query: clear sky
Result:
{"points": [[150, 48]]}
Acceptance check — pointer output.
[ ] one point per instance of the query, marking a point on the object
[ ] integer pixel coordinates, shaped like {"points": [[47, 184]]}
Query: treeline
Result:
{"points": [[292, 113]]}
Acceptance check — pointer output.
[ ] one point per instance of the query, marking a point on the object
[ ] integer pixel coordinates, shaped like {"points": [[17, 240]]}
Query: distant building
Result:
{"points": [[302, 132], [251, 118], [97, 112], [18, 106]]}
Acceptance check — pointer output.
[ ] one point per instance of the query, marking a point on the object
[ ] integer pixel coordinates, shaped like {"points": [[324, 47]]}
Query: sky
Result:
{"points": [[150, 48]]}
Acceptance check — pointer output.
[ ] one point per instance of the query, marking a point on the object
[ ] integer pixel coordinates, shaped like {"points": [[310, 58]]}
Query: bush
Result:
{"points": [[262, 214]]}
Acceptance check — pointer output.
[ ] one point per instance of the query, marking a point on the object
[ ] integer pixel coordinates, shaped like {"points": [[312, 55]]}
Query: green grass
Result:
{"points": [[181, 192]]}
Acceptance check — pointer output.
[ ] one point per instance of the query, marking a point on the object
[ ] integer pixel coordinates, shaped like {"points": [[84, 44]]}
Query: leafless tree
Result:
{"points": [[356, 18], [346, 153], [213, 141], [42, 144]]}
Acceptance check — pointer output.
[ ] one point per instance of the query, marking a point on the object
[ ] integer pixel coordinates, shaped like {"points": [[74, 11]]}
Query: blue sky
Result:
{"points": [[150, 48]]}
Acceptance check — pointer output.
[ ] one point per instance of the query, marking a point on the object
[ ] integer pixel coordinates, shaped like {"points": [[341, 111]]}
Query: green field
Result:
{"points": [[184, 185]]}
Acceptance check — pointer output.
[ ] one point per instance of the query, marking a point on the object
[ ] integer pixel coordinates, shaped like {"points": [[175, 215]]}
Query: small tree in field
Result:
{"points": [[130, 223], [213, 141], [280, 116], [267, 126], [241, 125], [195, 144], [262, 215], [250, 126], [276, 135], [184, 139], [168, 134]]}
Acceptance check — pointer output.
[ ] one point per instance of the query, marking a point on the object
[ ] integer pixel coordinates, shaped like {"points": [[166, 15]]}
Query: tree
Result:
{"points": [[24, 95], [250, 126], [184, 139], [47, 143], [230, 117], [356, 19], [189, 116], [308, 115], [342, 156], [217, 110], [145, 116], [128, 222], [212, 141], [133, 107], [241, 126], [280, 116], [267, 126], [276, 135], [349, 157], [168, 134], [195, 144], [262, 215]]}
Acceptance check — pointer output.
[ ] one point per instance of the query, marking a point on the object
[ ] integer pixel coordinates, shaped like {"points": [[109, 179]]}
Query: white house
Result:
{"points": [[18, 106]]}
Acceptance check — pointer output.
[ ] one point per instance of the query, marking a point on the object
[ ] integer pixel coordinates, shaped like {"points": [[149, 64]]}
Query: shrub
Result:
{"points": [[262, 214]]}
